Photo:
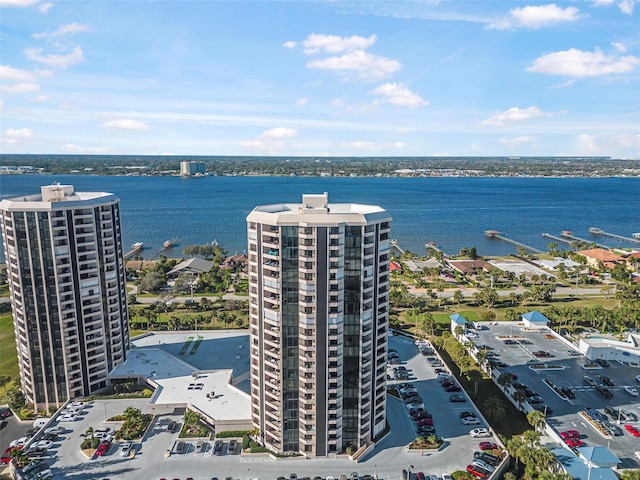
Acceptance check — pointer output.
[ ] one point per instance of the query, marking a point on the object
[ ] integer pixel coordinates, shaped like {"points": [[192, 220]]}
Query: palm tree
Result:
{"points": [[519, 396], [494, 408], [458, 297], [536, 419], [504, 380]]}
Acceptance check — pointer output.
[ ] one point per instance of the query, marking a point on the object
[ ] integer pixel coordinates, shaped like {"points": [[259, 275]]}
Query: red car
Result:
{"points": [[570, 434], [574, 442], [487, 446], [103, 449], [478, 472], [425, 422], [541, 353], [6, 456], [632, 430]]}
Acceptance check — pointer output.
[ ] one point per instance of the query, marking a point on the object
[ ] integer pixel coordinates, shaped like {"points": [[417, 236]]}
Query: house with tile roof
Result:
{"points": [[594, 256]]}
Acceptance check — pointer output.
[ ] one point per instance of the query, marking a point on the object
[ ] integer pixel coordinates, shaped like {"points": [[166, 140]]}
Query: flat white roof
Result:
{"points": [[173, 359]]}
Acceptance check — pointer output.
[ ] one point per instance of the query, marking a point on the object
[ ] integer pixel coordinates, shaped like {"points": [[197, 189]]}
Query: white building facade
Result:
{"points": [[319, 311], [189, 168], [68, 293]]}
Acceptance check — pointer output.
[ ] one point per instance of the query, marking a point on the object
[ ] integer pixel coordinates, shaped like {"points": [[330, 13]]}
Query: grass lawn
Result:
{"points": [[8, 355]]}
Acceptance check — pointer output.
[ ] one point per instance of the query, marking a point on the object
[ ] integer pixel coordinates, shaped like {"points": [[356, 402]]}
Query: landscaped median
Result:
{"points": [[595, 423]]}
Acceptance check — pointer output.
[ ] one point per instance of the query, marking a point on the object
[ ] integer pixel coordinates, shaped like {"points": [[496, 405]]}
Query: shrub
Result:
{"points": [[233, 433]]}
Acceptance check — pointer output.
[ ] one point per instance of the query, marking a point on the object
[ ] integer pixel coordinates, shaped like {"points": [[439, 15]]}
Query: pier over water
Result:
{"points": [[498, 235], [599, 231]]}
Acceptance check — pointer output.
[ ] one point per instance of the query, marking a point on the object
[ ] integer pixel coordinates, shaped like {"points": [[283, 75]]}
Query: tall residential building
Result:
{"points": [[319, 310], [68, 290], [188, 169]]}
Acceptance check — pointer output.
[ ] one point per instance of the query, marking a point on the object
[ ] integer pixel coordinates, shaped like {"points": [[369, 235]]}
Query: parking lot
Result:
{"points": [[390, 457], [524, 348]]}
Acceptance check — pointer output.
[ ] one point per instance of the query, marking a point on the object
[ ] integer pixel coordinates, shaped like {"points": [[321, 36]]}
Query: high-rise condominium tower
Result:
{"points": [[319, 301], [68, 293]]}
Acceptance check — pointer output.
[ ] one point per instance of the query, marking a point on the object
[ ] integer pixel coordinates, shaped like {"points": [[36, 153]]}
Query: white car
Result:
{"points": [[470, 421], [481, 464], [472, 335], [69, 417], [77, 405], [42, 444], [631, 391], [125, 449], [57, 430], [637, 378], [43, 475], [415, 405], [19, 441], [637, 455], [480, 432]]}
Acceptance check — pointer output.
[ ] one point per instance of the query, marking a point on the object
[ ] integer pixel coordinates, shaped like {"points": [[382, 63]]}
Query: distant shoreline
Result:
{"points": [[352, 167]]}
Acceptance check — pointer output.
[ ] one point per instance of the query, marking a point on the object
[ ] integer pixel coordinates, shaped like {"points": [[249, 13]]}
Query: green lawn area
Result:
{"points": [[8, 356]]}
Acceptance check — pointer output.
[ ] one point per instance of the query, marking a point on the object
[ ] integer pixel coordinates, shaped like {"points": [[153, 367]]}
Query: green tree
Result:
{"points": [[536, 419], [494, 408], [151, 282], [458, 297]]}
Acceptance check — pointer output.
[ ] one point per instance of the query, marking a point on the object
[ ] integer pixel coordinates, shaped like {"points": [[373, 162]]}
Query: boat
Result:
{"points": [[636, 235], [567, 233], [170, 243], [137, 246], [595, 231]]}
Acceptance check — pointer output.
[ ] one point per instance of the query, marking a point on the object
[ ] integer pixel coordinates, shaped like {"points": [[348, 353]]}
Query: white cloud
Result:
{"points": [[290, 44], [619, 46], [23, 87], [70, 148], [55, 61], [534, 17], [302, 102], [372, 146], [514, 114], [626, 6], [125, 124], [64, 30], [270, 141], [17, 3], [44, 7], [280, 132], [19, 133], [315, 43], [337, 102], [10, 73], [517, 140], [364, 65], [399, 95], [39, 98], [586, 144], [578, 63]]}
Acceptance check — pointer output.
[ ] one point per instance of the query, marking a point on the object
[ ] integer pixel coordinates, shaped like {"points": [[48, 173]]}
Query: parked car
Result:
{"points": [[569, 434], [231, 449], [487, 458], [604, 391], [574, 442], [541, 353], [217, 447], [602, 362], [467, 414], [478, 472], [607, 381], [589, 381], [453, 388], [487, 446], [479, 463], [103, 449], [470, 421], [58, 430], [125, 449], [457, 398], [632, 430], [480, 432], [567, 392], [631, 390], [535, 400]]}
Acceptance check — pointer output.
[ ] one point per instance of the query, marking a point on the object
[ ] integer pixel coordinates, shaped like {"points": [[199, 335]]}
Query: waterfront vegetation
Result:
{"points": [[328, 166]]}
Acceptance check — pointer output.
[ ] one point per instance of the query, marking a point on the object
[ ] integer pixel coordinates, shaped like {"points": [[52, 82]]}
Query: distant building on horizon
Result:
{"points": [[68, 291], [319, 319], [191, 168]]}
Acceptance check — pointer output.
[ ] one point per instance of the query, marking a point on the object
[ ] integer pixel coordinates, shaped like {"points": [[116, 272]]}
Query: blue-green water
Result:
{"points": [[452, 212]]}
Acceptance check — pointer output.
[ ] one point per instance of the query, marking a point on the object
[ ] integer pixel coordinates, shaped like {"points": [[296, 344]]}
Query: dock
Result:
{"points": [[432, 246], [498, 236], [573, 238], [557, 239], [396, 247], [599, 231]]}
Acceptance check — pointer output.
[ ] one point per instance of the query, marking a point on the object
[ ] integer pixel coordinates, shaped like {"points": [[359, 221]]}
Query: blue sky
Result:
{"points": [[303, 78]]}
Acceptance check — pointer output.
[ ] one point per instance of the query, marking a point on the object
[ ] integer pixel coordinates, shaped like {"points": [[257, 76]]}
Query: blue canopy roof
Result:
{"points": [[535, 317], [458, 319]]}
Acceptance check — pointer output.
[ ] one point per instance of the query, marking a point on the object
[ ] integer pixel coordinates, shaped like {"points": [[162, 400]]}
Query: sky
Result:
{"points": [[321, 78]]}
